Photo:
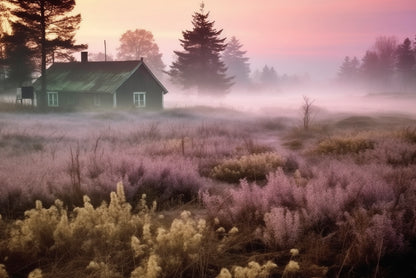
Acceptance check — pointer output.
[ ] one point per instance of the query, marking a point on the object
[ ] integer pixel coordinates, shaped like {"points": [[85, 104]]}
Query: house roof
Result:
{"points": [[86, 77]]}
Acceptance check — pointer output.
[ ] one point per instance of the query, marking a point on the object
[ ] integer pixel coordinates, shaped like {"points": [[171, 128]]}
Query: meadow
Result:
{"points": [[206, 192]]}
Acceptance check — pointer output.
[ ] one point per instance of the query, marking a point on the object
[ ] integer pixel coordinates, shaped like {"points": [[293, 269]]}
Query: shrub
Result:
{"points": [[391, 151], [408, 135], [3, 272], [371, 236], [170, 181], [344, 145], [254, 167], [252, 270], [246, 204], [282, 227]]}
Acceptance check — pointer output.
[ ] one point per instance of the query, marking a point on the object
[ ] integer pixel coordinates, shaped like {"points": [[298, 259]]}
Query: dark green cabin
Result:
{"points": [[101, 85]]}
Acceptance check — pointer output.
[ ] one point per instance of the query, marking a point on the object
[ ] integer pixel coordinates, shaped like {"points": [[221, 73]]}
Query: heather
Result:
{"points": [[206, 193]]}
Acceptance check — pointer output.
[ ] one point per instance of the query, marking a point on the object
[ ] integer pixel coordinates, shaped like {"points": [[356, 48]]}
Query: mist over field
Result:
{"points": [[329, 99]]}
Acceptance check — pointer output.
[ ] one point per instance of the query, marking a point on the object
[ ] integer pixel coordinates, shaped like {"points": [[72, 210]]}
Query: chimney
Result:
{"points": [[141, 59], [84, 57]]}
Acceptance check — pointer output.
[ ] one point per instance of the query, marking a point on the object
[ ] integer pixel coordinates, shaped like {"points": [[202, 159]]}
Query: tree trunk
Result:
{"points": [[42, 97]]}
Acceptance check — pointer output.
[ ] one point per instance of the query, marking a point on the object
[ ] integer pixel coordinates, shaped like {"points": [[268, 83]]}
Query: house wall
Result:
{"points": [[140, 81], [70, 101], [66, 101], [86, 100]]}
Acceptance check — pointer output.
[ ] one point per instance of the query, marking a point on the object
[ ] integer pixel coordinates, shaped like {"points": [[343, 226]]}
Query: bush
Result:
{"points": [[408, 135], [169, 181], [254, 167], [282, 227], [344, 145]]}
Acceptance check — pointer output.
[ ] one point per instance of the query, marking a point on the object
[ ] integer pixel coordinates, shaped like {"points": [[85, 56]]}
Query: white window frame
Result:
{"points": [[137, 101], [97, 100], [53, 99]]}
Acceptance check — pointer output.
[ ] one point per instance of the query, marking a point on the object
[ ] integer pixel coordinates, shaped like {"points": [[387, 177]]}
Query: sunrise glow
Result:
{"points": [[291, 35]]}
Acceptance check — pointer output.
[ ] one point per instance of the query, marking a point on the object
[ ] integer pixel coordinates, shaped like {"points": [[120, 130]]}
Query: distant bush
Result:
{"points": [[169, 181], [252, 147], [294, 144], [254, 167], [344, 145], [408, 135], [356, 122], [391, 151]]}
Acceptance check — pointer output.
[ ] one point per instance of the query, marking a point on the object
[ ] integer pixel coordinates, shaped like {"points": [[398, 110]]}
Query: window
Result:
{"points": [[53, 99], [97, 100], [139, 99]]}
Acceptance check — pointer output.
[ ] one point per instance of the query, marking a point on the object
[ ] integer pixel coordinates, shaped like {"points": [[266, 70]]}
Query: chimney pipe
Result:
{"points": [[84, 57]]}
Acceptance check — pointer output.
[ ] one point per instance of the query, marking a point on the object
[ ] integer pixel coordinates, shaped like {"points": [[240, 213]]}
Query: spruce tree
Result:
{"points": [[349, 70], [370, 69], [406, 63], [269, 77], [237, 64], [52, 31], [18, 56], [199, 64]]}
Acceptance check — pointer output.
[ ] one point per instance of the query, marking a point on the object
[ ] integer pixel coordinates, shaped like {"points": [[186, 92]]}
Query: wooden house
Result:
{"points": [[117, 84]]}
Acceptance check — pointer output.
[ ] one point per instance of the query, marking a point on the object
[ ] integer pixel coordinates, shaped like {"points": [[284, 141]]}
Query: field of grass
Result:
{"points": [[205, 192]]}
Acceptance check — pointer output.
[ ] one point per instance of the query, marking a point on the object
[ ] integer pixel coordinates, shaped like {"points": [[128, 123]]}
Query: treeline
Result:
{"points": [[207, 63], [386, 66]]}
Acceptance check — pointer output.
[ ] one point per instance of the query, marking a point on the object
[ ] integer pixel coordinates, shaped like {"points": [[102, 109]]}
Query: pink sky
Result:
{"points": [[294, 36]]}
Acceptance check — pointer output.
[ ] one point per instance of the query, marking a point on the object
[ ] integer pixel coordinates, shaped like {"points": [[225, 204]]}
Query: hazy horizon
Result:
{"points": [[301, 37]]}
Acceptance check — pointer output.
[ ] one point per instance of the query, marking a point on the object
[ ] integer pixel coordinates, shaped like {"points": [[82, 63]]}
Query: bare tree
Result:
{"points": [[307, 111]]}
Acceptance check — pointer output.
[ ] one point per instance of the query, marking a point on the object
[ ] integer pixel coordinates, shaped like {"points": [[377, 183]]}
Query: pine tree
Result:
{"points": [[406, 62], [237, 64], [18, 56], [349, 70], [370, 68], [199, 65], [52, 31], [385, 48], [268, 76]]}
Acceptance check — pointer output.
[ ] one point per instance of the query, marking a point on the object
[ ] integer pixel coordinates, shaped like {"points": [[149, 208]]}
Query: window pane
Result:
{"points": [[139, 99], [52, 99]]}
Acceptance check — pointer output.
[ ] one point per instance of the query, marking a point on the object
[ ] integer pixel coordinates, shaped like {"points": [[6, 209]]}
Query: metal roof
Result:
{"points": [[86, 77]]}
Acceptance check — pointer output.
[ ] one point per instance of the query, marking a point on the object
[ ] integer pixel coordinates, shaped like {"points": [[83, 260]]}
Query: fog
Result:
{"points": [[327, 99]]}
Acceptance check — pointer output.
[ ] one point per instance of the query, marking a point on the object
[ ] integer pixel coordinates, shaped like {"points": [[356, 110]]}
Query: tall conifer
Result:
{"points": [[406, 63], [199, 64], [52, 31], [236, 62]]}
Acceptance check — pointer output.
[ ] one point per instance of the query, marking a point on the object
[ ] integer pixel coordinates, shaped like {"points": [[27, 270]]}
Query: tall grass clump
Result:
{"points": [[254, 167]]}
